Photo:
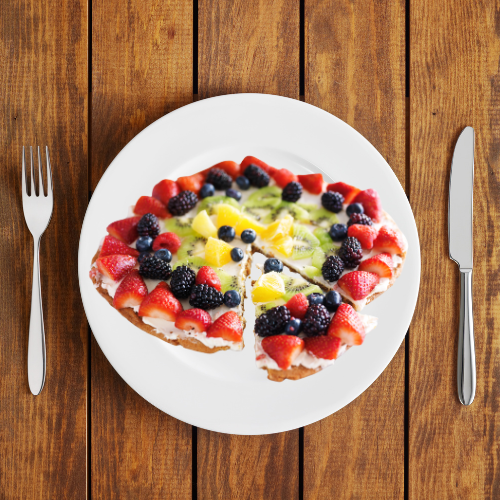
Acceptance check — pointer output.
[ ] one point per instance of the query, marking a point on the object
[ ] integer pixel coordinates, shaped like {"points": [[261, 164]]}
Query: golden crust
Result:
{"points": [[294, 373]]}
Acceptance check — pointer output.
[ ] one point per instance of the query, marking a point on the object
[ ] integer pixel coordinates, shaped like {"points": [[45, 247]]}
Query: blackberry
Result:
{"points": [[205, 297], [362, 219], [154, 268], [273, 322], [182, 282], [316, 321], [256, 176], [350, 252], [182, 203], [219, 179], [292, 192], [148, 226], [332, 268], [332, 201]]}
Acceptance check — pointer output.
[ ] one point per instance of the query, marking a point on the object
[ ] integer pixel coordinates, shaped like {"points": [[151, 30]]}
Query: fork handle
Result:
{"points": [[36, 342]]}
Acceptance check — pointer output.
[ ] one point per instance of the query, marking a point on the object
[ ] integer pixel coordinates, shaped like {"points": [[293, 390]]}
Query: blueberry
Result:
{"points": [[142, 255], [354, 208], [232, 193], [338, 232], [273, 265], [226, 233], [207, 190], [332, 300], [315, 299], [144, 243], [237, 254], [232, 298], [163, 254], [243, 182], [248, 236], [293, 327]]}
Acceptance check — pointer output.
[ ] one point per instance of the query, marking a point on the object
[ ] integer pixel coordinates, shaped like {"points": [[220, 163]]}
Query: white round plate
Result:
{"points": [[225, 392]]}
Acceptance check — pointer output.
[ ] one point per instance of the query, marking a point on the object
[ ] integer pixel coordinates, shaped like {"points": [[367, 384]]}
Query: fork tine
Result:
{"points": [[40, 175], [49, 173], [33, 192], [24, 176]]}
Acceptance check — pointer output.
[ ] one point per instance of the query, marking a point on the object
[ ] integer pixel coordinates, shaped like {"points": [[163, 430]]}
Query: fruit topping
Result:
{"points": [[278, 229], [338, 232], [316, 320], [347, 326], [359, 284], [298, 305], [219, 179], [248, 223], [228, 327], [361, 219], [347, 191], [226, 233], [243, 182], [371, 204], [292, 192], [283, 349], [332, 268], [294, 285], [313, 183], [284, 245], [389, 240], [192, 183], [249, 160], [144, 243], [248, 236], [272, 322], [207, 190], [124, 230], [323, 347], [233, 193], [182, 282], [148, 204], [283, 177], [180, 226], [115, 267], [332, 201], [256, 176], [165, 190], [113, 246], [217, 252], [131, 291], [354, 208], [154, 268], [315, 299], [164, 254], [381, 264], [237, 254], [293, 327], [332, 300], [268, 287], [142, 256], [148, 225], [232, 298], [205, 297], [364, 234], [182, 203], [273, 265], [312, 272], [230, 167], [203, 225], [304, 242], [196, 320], [207, 276], [170, 241], [227, 215], [351, 252], [160, 303]]}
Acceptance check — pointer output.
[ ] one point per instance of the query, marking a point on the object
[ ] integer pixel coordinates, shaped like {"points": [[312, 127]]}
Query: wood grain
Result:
{"points": [[43, 80], [455, 82], [248, 46], [142, 68], [354, 68]]}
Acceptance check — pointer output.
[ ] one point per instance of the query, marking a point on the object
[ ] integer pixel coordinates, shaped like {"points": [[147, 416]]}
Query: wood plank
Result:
{"points": [[142, 68], [248, 46], [43, 81], [354, 68], [455, 82]]}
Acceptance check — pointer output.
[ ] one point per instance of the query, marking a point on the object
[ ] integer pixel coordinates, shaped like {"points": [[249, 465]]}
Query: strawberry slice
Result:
{"points": [[165, 190], [116, 267], [358, 284], [160, 303], [193, 319], [389, 240], [230, 167], [112, 246], [170, 241], [283, 176], [131, 291], [228, 326], [207, 276], [283, 349], [192, 182], [347, 191], [125, 229], [371, 204], [347, 326], [381, 264], [313, 183], [365, 234], [148, 204], [298, 305], [251, 160], [324, 347]]}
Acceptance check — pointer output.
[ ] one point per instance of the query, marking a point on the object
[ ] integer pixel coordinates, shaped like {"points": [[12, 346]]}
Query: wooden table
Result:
{"points": [[85, 79]]}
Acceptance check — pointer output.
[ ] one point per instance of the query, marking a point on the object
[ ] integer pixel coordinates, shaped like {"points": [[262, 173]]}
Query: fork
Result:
{"points": [[37, 213]]}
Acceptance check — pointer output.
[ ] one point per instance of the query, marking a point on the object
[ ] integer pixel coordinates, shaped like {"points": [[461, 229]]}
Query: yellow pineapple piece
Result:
{"points": [[278, 229], [248, 223], [203, 225], [284, 245], [217, 252], [227, 215], [269, 286]]}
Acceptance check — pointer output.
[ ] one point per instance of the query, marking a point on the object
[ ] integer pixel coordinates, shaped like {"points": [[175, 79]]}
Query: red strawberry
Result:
{"points": [[381, 264], [230, 167], [193, 319], [298, 305], [170, 241], [148, 204], [313, 183], [324, 347], [358, 284], [347, 326], [112, 246], [347, 191], [365, 234], [115, 267], [389, 240], [207, 276], [124, 230], [283, 176], [131, 291], [228, 326], [192, 182], [251, 160], [283, 349], [165, 190], [371, 203], [161, 303]]}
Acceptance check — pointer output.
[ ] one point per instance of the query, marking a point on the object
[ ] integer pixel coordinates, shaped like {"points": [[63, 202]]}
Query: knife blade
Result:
{"points": [[460, 241]]}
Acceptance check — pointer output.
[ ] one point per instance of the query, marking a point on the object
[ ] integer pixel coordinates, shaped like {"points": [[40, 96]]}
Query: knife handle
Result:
{"points": [[466, 365]]}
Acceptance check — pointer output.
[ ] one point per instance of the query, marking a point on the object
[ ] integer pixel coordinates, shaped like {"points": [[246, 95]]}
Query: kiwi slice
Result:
{"points": [[294, 285], [320, 255], [262, 308], [304, 242], [192, 246], [209, 202], [257, 213], [308, 206], [265, 194], [312, 272], [195, 263], [181, 226], [323, 218], [285, 208], [325, 241], [228, 281]]}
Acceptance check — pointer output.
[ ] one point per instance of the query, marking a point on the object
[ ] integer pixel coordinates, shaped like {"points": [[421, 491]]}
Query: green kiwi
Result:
{"points": [[308, 207], [325, 241], [320, 254], [262, 308], [265, 194], [180, 226], [209, 202], [294, 285], [257, 213], [228, 281], [323, 218], [192, 246], [312, 272], [284, 208], [195, 263], [304, 242]]}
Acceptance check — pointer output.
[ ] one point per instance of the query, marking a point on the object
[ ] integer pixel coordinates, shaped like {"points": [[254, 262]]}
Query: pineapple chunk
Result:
{"points": [[248, 223], [278, 229], [217, 252], [203, 225], [227, 215], [284, 245], [269, 286]]}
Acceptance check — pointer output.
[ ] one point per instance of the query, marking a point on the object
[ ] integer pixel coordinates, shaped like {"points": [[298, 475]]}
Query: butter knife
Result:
{"points": [[461, 249]]}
